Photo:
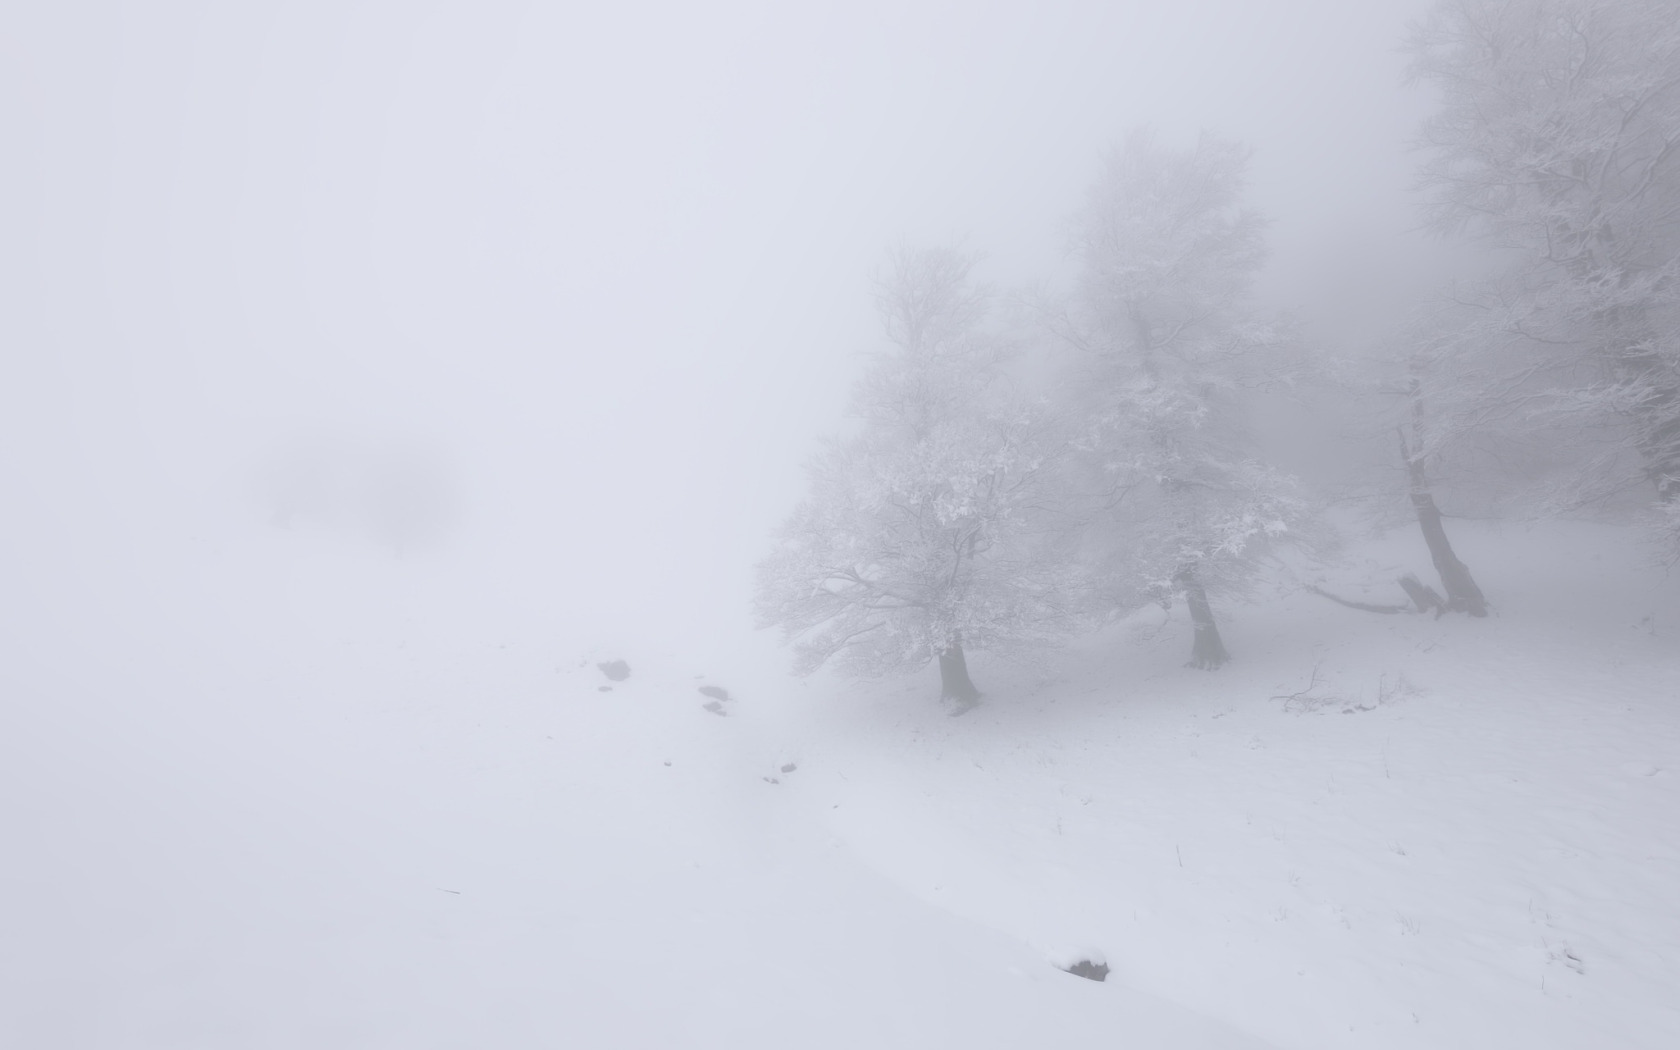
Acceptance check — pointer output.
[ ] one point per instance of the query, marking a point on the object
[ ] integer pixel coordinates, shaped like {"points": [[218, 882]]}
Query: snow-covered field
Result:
{"points": [[252, 798]]}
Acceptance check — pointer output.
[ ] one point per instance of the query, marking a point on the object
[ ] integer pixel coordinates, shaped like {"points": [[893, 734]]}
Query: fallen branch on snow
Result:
{"points": [[1363, 606], [1423, 595], [1423, 599], [1310, 686]]}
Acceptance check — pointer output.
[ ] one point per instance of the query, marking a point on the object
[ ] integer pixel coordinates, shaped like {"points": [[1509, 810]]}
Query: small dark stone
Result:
{"points": [[716, 692], [789, 768], [1091, 971], [603, 689], [714, 707], [617, 670], [771, 780]]}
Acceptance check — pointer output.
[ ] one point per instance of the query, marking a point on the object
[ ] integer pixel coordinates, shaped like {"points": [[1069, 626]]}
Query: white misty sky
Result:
{"points": [[610, 261]]}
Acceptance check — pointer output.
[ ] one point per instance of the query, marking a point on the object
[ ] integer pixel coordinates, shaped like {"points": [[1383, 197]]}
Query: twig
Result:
{"points": [[1302, 695]]}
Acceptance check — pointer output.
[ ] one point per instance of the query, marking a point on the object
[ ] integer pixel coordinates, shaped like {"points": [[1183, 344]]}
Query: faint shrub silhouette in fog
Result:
{"points": [[399, 495]]}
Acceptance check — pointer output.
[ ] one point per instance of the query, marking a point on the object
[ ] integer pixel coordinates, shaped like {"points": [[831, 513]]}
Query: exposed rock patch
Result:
{"points": [[1091, 971]]}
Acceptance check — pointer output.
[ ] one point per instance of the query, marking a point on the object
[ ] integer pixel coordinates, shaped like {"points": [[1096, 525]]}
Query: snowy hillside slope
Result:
{"points": [[349, 819], [1367, 831]]}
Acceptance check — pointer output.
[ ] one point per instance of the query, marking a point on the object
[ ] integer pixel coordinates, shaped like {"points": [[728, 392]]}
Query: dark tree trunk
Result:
{"points": [[1207, 651], [1462, 592], [954, 683]]}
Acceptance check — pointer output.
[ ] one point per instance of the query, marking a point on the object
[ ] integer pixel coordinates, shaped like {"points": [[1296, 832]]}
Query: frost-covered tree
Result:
{"points": [[1557, 143], [1167, 255], [923, 536]]}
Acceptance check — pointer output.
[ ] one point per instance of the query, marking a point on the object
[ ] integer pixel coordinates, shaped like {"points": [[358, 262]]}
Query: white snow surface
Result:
{"points": [[320, 818]]}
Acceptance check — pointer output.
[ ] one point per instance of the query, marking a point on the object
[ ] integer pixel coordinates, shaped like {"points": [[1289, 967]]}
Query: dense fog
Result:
{"points": [[607, 271], [375, 376]]}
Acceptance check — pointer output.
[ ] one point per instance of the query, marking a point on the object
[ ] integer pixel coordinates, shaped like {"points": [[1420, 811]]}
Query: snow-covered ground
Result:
{"points": [[252, 799]]}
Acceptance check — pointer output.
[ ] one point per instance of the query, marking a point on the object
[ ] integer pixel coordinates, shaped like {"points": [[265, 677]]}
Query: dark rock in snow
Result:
{"points": [[603, 688], [716, 692], [1091, 971], [789, 768], [616, 670], [714, 707]]}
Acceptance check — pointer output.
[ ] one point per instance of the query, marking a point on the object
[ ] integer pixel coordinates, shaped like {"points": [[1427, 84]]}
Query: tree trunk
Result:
{"points": [[954, 683], [1207, 651], [1462, 592]]}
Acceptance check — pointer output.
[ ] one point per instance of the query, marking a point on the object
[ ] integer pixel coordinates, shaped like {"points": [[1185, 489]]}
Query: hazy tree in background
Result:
{"points": [[1167, 255], [1421, 436], [1407, 393], [921, 537], [1558, 144]]}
